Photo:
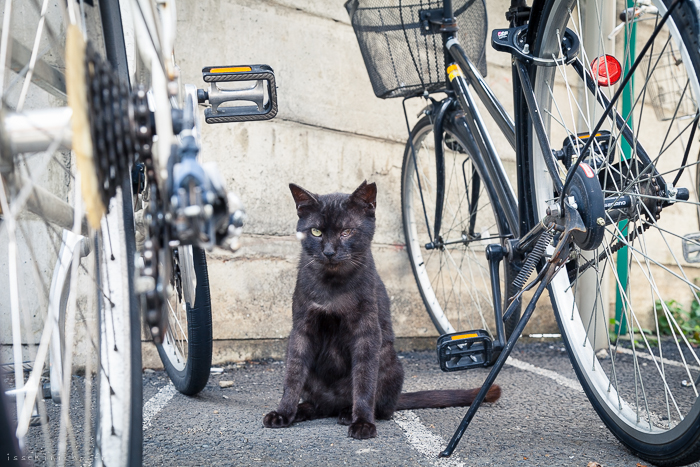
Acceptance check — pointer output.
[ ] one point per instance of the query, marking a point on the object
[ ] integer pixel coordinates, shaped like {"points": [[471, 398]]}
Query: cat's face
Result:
{"points": [[337, 228]]}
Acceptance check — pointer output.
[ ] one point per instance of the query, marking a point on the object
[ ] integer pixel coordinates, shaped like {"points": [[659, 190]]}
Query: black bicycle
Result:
{"points": [[604, 210]]}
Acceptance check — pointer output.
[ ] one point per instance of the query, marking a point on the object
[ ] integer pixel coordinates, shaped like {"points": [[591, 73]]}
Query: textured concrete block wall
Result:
{"points": [[331, 133]]}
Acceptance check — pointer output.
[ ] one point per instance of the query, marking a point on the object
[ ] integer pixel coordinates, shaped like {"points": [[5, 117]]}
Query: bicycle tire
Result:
{"points": [[446, 317], [645, 423], [8, 442], [191, 373]]}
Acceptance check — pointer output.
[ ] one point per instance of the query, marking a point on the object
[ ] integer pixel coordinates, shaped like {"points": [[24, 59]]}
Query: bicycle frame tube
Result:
{"points": [[487, 151], [483, 91], [36, 131], [538, 125], [522, 220]]}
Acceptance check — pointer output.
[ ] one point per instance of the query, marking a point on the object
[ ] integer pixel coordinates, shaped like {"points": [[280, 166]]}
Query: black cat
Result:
{"points": [[340, 357]]}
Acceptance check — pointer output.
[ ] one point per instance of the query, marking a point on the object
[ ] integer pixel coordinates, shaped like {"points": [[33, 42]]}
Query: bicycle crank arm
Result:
{"points": [[262, 94]]}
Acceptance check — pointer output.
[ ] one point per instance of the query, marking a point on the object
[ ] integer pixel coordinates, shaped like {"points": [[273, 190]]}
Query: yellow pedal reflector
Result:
{"points": [[231, 69], [464, 336], [82, 141], [587, 135]]}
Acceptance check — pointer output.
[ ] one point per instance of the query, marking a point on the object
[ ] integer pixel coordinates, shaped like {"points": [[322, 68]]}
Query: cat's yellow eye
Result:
{"points": [[315, 232], [345, 232]]}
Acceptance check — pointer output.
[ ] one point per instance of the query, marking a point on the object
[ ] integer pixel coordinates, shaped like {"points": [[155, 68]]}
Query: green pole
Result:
{"points": [[627, 151]]}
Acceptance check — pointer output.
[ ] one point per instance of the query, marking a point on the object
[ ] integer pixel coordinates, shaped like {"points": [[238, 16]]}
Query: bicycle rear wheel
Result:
{"points": [[619, 306], [453, 279], [69, 284]]}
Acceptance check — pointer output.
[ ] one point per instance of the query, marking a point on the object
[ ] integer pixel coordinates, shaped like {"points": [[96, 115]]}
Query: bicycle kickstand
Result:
{"points": [[573, 223]]}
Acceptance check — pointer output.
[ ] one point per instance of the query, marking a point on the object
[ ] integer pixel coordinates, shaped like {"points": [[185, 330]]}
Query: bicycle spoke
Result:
{"points": [[32, 60]]}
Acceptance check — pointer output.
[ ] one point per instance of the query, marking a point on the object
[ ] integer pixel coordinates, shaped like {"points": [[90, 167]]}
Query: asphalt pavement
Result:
{"points": [[543, 418]]}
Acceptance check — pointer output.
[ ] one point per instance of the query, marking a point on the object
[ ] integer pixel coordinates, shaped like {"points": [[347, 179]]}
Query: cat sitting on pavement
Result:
{"points": [[341, 360]]}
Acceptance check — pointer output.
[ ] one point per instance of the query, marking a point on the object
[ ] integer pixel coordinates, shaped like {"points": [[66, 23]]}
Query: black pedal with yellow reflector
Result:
{"points": [[464, 350], [240, 102]]}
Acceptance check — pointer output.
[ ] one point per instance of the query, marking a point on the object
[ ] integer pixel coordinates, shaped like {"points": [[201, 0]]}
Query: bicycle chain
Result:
{"points": [[156, 264], [141, 125]]}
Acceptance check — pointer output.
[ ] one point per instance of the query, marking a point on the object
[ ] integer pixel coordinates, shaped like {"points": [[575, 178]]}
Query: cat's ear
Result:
{"points": [[366, 196], [303, 199]]}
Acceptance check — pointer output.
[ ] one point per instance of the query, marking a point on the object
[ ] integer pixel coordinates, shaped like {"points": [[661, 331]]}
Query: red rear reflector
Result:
{"points": [[607, 70]]}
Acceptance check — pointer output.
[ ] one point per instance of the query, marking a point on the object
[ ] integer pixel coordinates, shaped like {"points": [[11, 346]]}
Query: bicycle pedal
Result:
{"points": [[464, 350], [691, 247], [262, 94]]}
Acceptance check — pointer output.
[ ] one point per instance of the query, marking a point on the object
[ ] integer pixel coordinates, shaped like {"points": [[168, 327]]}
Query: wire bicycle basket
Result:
{"points": [[402, 60], [669, 90]]}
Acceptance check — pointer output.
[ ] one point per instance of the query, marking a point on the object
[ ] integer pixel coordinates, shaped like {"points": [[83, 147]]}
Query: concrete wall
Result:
{"points": [[331, 133]]}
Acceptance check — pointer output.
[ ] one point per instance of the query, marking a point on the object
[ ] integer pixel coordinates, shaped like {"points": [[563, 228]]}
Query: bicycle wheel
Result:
{"points": [[187, 347], [620, 306], [68, 281], [453, 279]]}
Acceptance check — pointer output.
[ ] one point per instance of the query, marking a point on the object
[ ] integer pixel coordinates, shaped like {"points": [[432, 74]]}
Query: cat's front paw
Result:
{"points": [[362, 429], [276, 420]]}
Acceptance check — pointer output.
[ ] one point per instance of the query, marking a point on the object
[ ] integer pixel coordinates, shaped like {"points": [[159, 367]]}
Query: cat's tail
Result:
{"points": [[444, 398]]}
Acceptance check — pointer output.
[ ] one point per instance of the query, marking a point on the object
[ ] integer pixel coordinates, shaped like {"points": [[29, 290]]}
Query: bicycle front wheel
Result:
{"points": [[187, 347], [628, 309], [452, 274]]}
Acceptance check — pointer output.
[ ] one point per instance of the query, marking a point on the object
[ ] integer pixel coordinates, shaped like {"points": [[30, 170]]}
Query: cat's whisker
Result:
{"points": [[359, 262], [312, 260]]}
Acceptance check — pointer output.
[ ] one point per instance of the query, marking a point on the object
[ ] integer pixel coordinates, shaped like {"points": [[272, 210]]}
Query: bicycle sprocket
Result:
{"points": [[111, 116]]}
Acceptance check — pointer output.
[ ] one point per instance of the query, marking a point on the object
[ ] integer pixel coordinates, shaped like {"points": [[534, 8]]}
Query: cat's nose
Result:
{"points": [[329, 254]]}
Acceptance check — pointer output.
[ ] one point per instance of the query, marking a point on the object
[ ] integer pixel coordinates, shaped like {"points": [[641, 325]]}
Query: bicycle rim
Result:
{"points": [[620, 309], [176, 342], [69, 326], [453, 280]]}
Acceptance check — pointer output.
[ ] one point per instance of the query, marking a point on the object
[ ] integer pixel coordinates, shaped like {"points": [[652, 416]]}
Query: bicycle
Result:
{"points": [[71, 178], [605, 199]]}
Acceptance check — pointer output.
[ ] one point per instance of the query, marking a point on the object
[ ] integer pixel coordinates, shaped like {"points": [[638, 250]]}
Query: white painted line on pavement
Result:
{"points": [[423, 440], [559, 379], [156, 403], [643, 354]]}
